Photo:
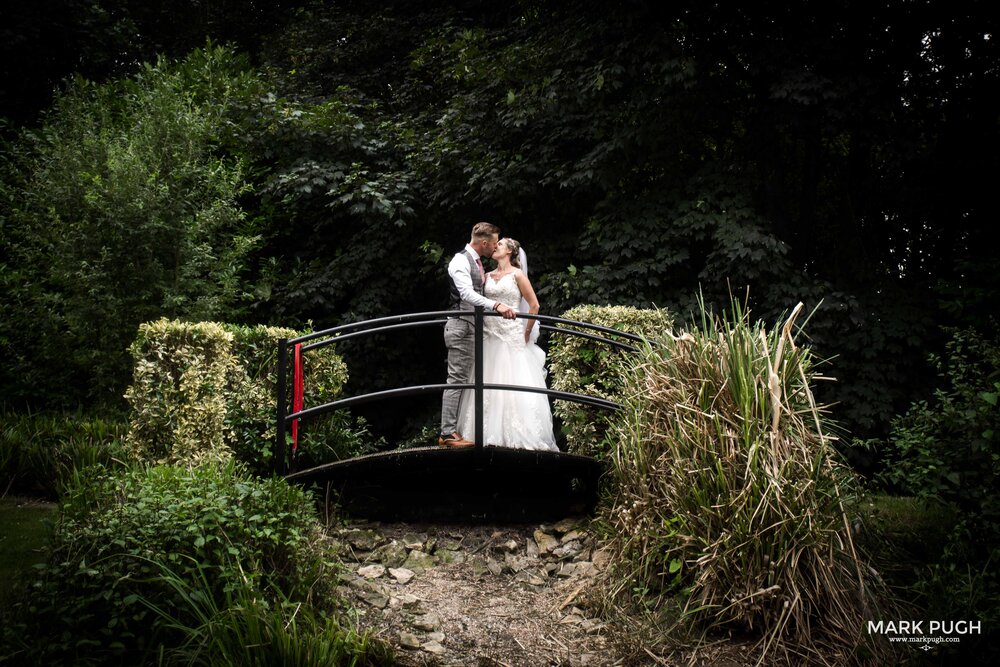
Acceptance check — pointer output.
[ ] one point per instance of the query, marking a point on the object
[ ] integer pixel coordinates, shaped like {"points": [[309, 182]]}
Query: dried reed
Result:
{"points": [[728, 494]]}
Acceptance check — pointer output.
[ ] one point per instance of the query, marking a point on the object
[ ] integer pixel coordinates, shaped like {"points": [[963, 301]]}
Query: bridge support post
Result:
{"points": [[280, 439], [479, 378]]}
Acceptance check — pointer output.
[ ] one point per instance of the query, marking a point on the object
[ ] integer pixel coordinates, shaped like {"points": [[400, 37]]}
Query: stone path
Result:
{"points": [[471, 595]]}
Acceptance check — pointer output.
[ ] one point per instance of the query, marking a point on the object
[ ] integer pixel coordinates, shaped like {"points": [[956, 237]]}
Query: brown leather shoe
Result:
{"points": [[454, 440]]}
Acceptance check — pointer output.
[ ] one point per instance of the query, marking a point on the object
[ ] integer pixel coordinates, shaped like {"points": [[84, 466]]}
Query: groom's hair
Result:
{"points": [[484, 230]]}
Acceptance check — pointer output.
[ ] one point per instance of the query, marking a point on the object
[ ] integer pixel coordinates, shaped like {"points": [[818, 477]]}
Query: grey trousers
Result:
{"points": [[459, 338]]}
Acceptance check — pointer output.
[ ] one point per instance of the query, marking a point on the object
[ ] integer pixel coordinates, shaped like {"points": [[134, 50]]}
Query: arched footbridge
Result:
{"points": [[441, 483]]}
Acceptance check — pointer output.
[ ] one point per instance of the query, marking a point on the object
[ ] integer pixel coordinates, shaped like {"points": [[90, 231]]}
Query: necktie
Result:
{"points": [[482, 271]]}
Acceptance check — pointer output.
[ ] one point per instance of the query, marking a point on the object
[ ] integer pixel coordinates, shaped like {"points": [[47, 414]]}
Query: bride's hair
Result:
{"points": [[515, 255]]}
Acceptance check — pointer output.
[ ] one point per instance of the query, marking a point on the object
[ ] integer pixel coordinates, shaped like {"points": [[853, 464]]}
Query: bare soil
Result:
{"points": [[513, 596]]}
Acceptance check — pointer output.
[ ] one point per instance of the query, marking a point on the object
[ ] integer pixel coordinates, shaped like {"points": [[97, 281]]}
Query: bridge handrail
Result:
{"points": [[346, 331], [414, 390], [395, 322]]}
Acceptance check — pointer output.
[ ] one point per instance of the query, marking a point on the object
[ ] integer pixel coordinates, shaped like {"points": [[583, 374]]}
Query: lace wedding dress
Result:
{"points": [[517, 419]]}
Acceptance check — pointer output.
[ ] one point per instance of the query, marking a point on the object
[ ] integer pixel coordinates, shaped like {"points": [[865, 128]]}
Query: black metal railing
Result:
{"points": [[345, 332]]}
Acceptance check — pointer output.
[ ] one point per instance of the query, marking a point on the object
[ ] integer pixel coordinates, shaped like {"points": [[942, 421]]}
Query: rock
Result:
{"points": [[494, 566], [568, 550], [429, 622], [545, 542], [364, 539], [401, 574], [510, 545], [371, 571], [600, 558], [435, 637], [572, 535], [591, 626], [392, 554], [529, 578], [568, 524], [434, 647], [409, 641], [414, 541], [585, 569], [531, 548], [478, 566], [375, 598], [418, 561], [449, 555]]}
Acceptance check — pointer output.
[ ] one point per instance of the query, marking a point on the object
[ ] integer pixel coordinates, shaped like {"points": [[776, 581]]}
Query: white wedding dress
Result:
{"points": [[517, 419]]}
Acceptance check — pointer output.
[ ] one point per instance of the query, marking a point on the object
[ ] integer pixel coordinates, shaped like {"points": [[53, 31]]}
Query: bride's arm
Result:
{"points": [[528, 294]]}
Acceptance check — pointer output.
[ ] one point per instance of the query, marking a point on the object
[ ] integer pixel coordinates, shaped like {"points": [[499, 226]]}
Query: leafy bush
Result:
{"points": [[728, 492], [947, 450], [39, 453], [207, 391], [584, 366], [120, 209], [212, 521]]}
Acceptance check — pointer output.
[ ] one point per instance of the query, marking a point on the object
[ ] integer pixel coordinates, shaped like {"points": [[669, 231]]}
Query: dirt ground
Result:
{"points": [[513, 596]]}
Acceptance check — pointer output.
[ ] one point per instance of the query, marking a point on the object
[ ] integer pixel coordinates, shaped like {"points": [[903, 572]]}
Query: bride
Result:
{"points": [[518, 419]]}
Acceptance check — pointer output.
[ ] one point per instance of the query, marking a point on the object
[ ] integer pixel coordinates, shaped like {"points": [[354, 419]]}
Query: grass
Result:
{"points": [[906, 538], [25, 528], [909, 525]]}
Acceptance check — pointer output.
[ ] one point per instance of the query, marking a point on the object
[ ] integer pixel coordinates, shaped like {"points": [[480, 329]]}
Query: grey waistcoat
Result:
{"points": [[455, 301]]}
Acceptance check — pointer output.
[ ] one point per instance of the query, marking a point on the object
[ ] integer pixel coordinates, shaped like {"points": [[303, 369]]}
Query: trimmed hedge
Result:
{"points": [[204, 391], [584, 366]]}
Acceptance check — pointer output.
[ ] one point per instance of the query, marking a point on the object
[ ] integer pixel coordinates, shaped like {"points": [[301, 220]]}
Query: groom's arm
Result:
{"points": [[458, 269]]}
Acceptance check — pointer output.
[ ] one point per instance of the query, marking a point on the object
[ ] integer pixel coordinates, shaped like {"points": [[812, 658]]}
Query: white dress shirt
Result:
{"points": [[458, 269]]}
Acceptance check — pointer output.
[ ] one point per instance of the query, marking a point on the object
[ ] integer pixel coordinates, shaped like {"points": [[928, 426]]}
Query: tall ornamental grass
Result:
{"points": [[730, 497], [41, 452], [251, 628]]}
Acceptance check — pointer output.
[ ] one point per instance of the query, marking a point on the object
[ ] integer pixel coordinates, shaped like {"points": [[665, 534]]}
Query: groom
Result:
{"points": [[467, 278]]}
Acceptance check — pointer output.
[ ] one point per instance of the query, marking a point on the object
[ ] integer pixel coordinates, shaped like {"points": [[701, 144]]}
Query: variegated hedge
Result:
{"points": [[204, 391], [583, 366]]}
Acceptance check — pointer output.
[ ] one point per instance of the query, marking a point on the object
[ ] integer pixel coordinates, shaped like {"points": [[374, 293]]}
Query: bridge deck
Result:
{"points": [[440, 483]]}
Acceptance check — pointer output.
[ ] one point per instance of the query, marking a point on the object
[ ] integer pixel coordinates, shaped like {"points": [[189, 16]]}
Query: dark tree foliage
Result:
{"points": [[835, 153], [45, 41]]}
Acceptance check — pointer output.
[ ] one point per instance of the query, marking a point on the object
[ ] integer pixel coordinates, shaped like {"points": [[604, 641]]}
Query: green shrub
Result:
{"points": [[119, 209], [583, 366], [39, 453], [115, 528], [948, 449], [728, 494], [207, 391]]}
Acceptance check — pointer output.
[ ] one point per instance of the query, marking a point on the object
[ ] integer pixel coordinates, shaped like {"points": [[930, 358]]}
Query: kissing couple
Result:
{"points": [[516, 419]]}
